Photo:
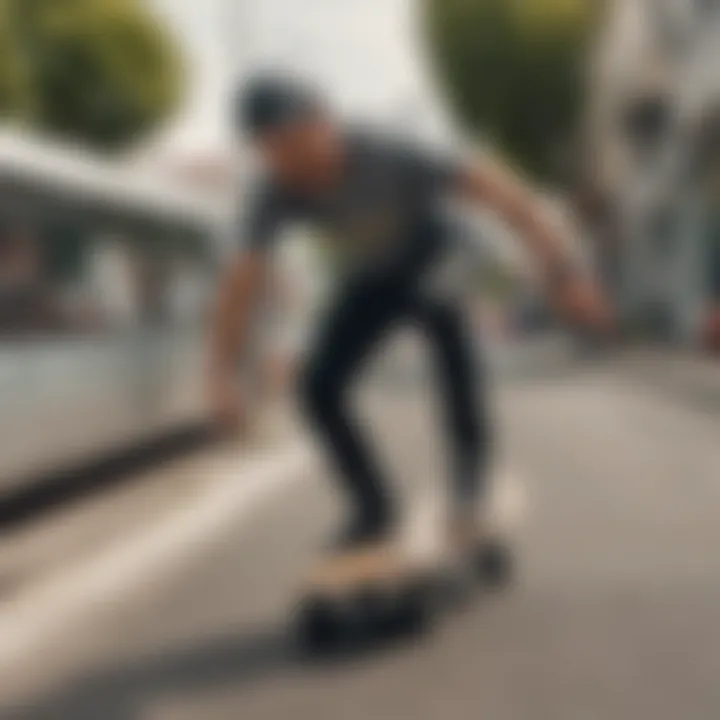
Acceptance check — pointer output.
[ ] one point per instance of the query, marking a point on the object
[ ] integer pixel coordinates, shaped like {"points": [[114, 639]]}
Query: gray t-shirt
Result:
{"points": [[390, 197]]}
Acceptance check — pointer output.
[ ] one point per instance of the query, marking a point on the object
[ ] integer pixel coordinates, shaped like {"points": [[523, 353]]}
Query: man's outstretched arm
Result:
{"points": [[570, 287]]}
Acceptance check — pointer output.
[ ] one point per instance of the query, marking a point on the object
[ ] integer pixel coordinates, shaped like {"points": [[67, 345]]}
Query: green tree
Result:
{"points": [[14, 88], [514, 71], [102, 71]]}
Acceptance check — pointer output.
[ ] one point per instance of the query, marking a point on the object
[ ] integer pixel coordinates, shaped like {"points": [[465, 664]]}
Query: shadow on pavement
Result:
{"points": [[123, 693], [119, 693]]}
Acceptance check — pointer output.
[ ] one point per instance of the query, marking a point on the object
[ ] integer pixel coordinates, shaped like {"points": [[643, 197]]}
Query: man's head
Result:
{"points": [[292, 129]]}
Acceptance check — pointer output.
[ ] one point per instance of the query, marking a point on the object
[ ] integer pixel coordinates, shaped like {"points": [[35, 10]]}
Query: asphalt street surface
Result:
{"points": [[615, 611]]}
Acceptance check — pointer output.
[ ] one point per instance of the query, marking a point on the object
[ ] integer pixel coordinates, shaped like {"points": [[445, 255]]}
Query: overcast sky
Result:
{"points": [[364, 52]]}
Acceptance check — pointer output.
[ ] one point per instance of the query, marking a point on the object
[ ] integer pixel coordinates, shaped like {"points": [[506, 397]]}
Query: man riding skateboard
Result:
{"points": [[379, 200]]}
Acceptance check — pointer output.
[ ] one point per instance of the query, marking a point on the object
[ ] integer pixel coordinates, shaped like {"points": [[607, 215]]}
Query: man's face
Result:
{"points": [[306, 154]]}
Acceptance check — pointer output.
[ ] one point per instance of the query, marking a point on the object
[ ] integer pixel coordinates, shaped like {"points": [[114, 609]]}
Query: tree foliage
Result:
{"points": [[14, 94], [103, 71], [514, 70]]}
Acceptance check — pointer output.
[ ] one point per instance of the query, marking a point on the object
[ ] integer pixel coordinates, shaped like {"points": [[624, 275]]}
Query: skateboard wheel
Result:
{"points": [[495, 564], [378, 614], [371, 609], [417, 609], [320, 626]]}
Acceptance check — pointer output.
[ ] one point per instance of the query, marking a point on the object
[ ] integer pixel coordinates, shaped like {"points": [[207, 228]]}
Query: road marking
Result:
{"points": [[29, 623], [43, 625]]}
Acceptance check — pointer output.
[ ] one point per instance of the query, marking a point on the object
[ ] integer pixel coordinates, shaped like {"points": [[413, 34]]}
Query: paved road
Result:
{"points": [[616, 613]]}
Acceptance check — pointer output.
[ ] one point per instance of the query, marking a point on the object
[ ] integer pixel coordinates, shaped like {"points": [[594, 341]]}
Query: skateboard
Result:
{"points": [[402, 586]]}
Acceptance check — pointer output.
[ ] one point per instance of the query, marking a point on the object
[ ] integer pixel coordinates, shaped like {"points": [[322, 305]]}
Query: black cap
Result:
{"points": [[271, 101]]}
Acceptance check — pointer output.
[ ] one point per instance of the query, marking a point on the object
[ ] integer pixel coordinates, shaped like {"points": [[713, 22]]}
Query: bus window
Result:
{"points": [[30, 303], [175, 279], [60, 279], [191, 278], [187, 291], [114, 283]]}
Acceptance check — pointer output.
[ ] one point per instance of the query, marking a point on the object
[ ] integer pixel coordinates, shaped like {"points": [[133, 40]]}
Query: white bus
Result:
{"points": [[105, 277]]}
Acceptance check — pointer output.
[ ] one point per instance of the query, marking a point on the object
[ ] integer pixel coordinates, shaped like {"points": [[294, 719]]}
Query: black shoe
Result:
{"points": [[365, 529]]}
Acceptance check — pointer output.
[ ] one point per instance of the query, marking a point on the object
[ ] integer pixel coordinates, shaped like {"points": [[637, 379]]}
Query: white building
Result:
{"points": [[656, 86]]}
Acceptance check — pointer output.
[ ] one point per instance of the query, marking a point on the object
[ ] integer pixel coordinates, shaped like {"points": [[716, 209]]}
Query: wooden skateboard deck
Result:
{"points": [[383, 564], [400, 579], [421, 547]]}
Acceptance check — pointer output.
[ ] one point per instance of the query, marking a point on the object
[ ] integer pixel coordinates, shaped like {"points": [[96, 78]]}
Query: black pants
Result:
{"points": [[368, 309]]}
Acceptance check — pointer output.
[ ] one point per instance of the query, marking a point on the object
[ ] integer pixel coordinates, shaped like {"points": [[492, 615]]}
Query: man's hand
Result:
{"points": [[574, 294], [579, 299]]}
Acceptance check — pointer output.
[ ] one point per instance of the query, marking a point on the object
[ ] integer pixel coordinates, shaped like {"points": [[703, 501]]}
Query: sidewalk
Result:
{"points": [[689, 376]]}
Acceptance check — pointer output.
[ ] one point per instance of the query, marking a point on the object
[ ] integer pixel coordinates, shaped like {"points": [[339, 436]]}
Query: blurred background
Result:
{"points": [[173, 558]]}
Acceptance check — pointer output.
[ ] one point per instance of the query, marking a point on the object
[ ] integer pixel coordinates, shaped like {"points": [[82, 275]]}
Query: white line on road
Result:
{"points": [[29, 624], [45, 623]]}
